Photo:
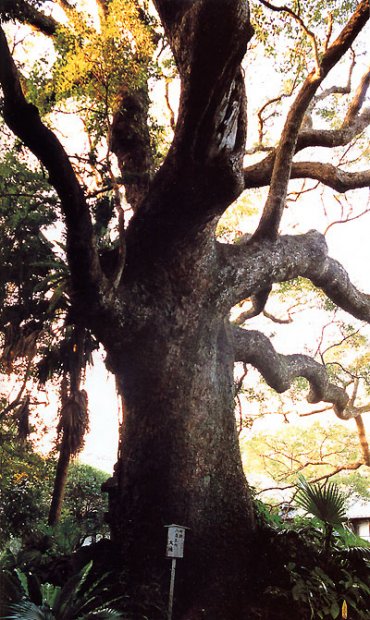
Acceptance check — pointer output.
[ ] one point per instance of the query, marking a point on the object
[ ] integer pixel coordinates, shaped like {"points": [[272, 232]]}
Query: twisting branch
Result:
{"points": [[258, 307], [279, 371], [331, 176], [276, 319], [258, 304], [358, 99], [288, 257], [331, 138], [272, 213]]}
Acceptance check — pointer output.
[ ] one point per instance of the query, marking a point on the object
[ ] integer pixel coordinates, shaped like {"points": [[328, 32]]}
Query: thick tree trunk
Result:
{"points": [[179, 459]]}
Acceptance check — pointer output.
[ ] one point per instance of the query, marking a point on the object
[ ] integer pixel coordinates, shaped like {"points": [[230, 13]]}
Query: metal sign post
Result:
{"points": [[174, 550]]}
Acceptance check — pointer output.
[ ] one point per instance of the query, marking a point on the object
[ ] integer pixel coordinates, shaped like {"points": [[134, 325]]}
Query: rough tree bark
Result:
{"points": [[165, 326]]}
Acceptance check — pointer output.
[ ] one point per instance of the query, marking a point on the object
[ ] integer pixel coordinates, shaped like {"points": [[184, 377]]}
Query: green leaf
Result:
{"points": [[334, 610]]}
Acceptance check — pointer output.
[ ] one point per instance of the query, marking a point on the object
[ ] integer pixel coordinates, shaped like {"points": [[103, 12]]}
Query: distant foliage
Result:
{"points": [[26, 482]]}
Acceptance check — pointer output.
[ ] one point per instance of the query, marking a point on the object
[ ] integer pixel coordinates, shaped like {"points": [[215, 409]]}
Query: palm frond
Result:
{"points": [[103, 614], [26, 610], [325, 501]]}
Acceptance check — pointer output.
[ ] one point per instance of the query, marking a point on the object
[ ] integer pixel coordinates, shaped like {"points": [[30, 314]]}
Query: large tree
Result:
{"points": [[160, 304]]}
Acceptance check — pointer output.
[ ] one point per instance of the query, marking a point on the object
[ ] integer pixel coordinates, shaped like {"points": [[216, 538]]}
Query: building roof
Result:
{"points": [[359, 510]]}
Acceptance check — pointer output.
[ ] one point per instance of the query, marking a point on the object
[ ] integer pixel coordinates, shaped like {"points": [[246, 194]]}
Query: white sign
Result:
{"points": [[175, 541]]}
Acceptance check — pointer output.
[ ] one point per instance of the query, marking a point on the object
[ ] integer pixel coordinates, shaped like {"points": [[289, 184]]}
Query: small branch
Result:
{"points": [[169, 107], [337, 90], [294, 196], [258, 304], [336, 470], [299, 20], [262, 120], [315, 411], [276, 319], [273, 209], [330, 30]]}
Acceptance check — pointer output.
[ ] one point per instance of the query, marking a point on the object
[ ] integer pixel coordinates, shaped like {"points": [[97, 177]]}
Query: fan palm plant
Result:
{"points": [[325, 502]]}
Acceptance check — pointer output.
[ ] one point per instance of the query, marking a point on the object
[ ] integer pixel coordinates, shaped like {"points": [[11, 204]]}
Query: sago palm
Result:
{"points": [[78, 599], [29, 611]]}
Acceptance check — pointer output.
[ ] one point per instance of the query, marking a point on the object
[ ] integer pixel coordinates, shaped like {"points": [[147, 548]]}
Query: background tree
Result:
{"points": [[26, 488], [320, 451], [160, 299]]}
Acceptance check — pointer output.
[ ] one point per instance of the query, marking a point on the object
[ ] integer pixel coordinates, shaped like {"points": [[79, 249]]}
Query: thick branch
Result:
{"points": [[27, 14], [279, 371], [358, 99], [361, 430], [252, 267], [24, 120], [202, 173], [130, 142], [271, 216], [339, 180], [259, 174]]}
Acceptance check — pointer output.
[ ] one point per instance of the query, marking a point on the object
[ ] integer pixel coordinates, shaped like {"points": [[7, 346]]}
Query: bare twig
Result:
{"points": [[347, 219]]}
